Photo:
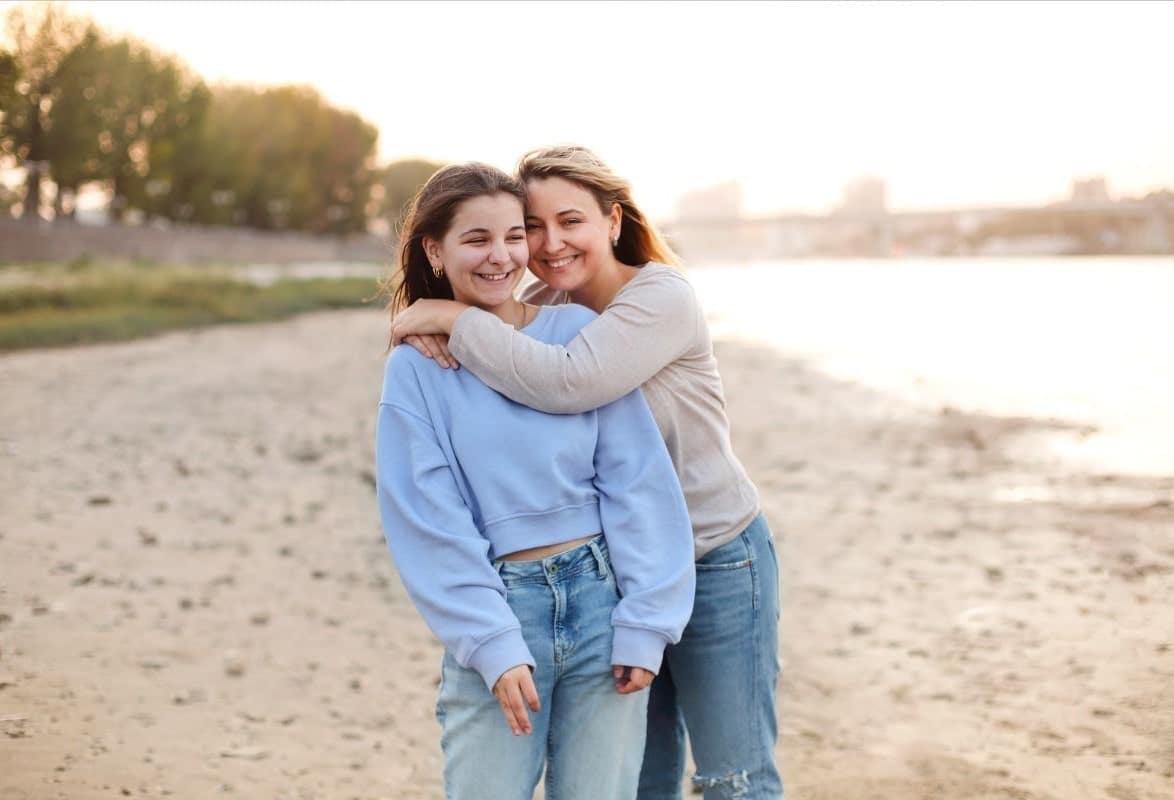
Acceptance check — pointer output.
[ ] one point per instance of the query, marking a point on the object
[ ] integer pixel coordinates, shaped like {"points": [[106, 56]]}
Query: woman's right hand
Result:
{"points": [[514, 691], [433, 346]]}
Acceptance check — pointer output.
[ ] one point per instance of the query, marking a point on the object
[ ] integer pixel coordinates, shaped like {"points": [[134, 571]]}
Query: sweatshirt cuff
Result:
{"points": [[504, 651], [637, 647]]}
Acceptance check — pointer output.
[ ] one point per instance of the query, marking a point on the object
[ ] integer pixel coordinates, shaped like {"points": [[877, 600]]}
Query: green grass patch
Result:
{"points": [[56, 305]]}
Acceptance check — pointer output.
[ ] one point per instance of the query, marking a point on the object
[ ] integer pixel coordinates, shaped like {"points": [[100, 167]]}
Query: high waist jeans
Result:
{"points": [[718, 683], [589, 737]]}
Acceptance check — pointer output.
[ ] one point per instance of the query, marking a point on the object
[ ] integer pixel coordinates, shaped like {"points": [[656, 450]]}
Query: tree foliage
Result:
{"points": [[79, 106], [400, 181]]}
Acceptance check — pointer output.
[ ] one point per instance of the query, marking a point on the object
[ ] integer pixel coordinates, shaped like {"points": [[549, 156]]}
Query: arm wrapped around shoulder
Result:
{"points": [[648, 325], [648, 533]]}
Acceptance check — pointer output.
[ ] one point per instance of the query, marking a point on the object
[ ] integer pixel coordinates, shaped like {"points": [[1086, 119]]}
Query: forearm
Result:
{"points": [[426, 317], [597, 367]]}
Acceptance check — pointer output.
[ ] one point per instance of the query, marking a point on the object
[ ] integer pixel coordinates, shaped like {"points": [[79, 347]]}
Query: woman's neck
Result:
{"points": [[511, 312], [606, 283]]}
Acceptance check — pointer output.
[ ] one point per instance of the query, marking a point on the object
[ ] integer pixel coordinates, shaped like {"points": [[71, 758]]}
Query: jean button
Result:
{"points": [[553, 568]]}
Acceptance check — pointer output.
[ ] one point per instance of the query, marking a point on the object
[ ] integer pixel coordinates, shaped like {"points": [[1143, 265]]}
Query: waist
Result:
{"points": [[590, 556], [538, 553]]}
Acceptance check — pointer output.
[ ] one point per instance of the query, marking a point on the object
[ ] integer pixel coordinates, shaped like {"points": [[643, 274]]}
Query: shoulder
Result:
{"points": [[569, 318], [661, 289], [402, 375]]}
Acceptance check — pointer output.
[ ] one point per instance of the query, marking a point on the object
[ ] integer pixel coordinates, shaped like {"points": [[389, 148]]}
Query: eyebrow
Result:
{"points": [[557, 214], [486, 230]]}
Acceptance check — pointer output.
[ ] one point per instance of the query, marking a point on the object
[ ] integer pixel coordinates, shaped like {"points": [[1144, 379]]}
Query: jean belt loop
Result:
{"points": [[499, 566], [600, 562]]}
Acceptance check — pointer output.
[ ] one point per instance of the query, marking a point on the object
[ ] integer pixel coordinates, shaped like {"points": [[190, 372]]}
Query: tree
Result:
{"points": [[73, 126], [401, 180], [284, 159], [41, 38]]}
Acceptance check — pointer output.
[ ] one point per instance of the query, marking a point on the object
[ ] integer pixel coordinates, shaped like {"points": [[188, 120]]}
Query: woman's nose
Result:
{"points": [[551, 242], [499, 254]]}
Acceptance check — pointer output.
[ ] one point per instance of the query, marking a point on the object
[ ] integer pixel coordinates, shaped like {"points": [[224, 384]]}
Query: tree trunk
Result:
{"points": [[32, 183], [32, 190]]}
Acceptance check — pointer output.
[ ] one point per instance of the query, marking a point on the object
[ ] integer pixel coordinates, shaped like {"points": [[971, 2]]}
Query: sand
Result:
{"points": [[196, 601]]}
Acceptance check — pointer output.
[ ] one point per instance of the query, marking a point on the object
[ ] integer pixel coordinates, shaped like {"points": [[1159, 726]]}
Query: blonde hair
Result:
{"points": [[639, 242]]}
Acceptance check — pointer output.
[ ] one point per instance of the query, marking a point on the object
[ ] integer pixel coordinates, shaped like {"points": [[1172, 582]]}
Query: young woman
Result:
{"points": [[549, 553], [590, 244]]}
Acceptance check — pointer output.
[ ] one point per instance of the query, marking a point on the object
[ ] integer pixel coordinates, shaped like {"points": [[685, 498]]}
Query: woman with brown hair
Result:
{"points": [[549, 553], [591, 244]]}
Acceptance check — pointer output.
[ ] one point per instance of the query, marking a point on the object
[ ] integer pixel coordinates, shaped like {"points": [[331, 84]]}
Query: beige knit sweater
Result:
{"points": [[652, 335]]}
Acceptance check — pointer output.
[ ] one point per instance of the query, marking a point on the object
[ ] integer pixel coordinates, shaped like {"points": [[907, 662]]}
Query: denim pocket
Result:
{"points": [[714, 567]]}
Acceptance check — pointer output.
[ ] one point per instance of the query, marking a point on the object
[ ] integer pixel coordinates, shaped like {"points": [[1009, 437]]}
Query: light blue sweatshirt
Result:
{"points": [[465, 475]]}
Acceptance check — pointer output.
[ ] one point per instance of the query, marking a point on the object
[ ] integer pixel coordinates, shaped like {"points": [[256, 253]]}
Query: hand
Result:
{"points": [[632, 679], [423, 317], [435, 347], [514, 691]]}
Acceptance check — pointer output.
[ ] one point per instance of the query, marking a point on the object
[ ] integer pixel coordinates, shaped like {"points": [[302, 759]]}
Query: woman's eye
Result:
{"points": [[517, 237], [532, 226], [572, 221], [475, 241]]}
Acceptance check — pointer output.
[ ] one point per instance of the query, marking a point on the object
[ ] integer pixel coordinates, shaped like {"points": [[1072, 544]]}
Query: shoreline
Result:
{"points": [[198, 599]]}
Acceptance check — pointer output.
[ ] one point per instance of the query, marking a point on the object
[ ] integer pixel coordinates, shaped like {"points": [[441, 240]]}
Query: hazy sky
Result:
{"points": [[952, 103]]}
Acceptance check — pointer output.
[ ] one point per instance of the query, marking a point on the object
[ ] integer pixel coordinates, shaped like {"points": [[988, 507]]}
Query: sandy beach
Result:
{"points": [[196, 600]]}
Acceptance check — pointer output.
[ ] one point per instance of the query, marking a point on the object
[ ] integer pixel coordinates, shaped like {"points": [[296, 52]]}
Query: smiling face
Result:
{"points": [[484, 251], [570, 237]]}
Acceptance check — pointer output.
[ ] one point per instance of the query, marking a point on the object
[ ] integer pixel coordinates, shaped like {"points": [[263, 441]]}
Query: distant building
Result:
{"points": [[864, 196], [1090, 190], [723, 201]]}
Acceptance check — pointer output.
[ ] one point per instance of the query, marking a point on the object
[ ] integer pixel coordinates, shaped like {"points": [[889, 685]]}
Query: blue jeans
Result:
{"points": [[718, 683], [589, 738]]}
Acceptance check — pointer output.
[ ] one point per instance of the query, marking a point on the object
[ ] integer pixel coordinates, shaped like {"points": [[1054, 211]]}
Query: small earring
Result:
{"points": [[438, 270], [616, 241]]}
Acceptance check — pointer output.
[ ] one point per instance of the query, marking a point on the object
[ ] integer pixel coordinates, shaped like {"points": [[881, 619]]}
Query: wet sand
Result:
{"points": [[196, 601]]}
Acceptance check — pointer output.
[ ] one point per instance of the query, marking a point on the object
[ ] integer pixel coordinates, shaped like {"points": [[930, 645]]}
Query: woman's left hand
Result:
{"points": [[425, 317], [632, 679]]}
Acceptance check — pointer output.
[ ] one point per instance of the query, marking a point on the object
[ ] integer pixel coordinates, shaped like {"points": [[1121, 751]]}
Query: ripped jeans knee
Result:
{"points": [[731, 786]]}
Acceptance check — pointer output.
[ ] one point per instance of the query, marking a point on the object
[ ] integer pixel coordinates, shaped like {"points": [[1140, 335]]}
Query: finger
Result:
{"points": [[530, 693], [442, 343], [508, 711], [420, 345], [519, 708], [439, 348], [617, 672]]}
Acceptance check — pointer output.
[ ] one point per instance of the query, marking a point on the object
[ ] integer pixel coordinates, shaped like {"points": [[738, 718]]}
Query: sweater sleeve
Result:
{"points": [[648, 533], [441, 556], [644, 329]]}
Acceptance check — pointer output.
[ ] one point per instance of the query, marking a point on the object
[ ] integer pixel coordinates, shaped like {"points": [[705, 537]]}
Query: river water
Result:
{"points": [[1085, 340]]}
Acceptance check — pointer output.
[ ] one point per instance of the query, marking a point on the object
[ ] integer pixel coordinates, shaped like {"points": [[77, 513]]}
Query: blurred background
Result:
{"points": [[935, 245]]}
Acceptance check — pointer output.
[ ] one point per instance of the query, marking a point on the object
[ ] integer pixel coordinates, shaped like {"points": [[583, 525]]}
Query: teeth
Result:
{"points": [[562, 262], [498, 276]]}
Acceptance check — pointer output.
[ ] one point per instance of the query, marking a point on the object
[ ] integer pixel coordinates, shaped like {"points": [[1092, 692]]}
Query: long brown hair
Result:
{"points": [[640, 242], [431, 214]]}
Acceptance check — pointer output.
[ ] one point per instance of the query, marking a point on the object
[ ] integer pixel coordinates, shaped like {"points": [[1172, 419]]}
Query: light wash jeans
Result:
{"points": [[718, 683], [589, 737]]}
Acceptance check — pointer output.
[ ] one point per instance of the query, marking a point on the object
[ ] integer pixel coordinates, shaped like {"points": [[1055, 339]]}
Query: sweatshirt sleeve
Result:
{"points": [[644, 329], [441, 556], [649, 537]]}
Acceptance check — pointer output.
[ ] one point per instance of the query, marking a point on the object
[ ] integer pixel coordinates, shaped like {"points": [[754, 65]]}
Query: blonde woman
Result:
{"points": [[590, 244]]}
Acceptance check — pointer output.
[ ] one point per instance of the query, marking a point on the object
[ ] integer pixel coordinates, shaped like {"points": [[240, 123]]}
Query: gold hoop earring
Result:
{"points": [[438, 270]]}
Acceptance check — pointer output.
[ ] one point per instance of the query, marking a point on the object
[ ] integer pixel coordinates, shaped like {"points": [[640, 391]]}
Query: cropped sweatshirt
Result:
{"points": [[464, 475]]}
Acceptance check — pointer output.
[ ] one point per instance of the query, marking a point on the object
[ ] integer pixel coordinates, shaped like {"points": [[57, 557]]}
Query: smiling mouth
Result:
{"points": [[560, 263], [494, 277]]}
